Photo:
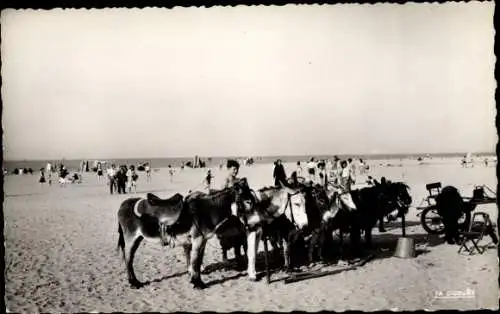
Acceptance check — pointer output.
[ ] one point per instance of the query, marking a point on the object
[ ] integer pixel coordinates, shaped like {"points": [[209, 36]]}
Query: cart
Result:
{"points": [[432, 221]]}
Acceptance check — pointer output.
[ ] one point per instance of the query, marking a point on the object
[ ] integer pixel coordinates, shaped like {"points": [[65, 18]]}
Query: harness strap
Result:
{"points": [[219, 225], [289, 203]]}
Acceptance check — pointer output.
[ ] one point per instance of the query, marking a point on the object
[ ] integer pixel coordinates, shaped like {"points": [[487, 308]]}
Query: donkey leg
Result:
{"points": [[341, 244], [197, 250], [131, 245], [187, 253], [245, 246], [381, 224], [253, 239], [237, 253], [368, 238], [286, 254], [355, 240], [313, 247], [224, 254]]}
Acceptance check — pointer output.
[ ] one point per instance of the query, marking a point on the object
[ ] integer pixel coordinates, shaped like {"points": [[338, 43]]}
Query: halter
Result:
{"points": [[289, 204], [395, 205]]}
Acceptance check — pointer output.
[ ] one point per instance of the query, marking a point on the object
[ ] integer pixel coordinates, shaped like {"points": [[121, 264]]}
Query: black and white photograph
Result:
{"points": [[301, 157]]}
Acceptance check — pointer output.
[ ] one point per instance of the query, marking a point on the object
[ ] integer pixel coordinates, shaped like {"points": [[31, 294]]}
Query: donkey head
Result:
{"points": [[293, 205], [398, 198]]}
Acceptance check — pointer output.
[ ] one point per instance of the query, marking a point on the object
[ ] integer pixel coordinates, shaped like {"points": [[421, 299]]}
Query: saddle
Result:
{"points": [[170, 208]]}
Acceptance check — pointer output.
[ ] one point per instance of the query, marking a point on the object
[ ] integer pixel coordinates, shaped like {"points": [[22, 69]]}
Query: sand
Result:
{"points": [[60, 254]]}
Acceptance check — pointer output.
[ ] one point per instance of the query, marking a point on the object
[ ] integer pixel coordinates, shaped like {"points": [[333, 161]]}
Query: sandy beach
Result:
{"points": [[61, 253]]}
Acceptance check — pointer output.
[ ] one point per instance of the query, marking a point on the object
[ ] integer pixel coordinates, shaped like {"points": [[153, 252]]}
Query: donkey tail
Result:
{"points": [[121, 239]]}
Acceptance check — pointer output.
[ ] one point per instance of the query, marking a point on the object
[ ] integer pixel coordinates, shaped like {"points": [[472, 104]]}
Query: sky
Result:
{"points": [[248, 81]]}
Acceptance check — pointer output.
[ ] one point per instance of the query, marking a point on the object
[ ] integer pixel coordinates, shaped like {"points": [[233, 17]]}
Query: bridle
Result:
{"points": [[289, 204], [397, 204]]}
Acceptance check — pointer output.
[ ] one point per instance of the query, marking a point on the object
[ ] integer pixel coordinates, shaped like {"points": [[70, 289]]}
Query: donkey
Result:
{"points": [[155, 219], [385, 199], [271, 203], [190, 222]]}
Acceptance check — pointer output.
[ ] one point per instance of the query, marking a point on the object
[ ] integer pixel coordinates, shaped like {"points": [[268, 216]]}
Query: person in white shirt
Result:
{"points": [[111, 172], [148, 172], [131, 179], [346, 181], [336, 170], [322, 178], [298, 172], [49, 173]]}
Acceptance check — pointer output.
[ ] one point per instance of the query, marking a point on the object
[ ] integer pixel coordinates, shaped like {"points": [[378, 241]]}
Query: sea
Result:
{"points": [[72, 164]]}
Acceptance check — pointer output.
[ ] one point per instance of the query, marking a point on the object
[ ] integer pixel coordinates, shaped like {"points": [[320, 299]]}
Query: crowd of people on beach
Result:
{"points": [[339, 174], [63, 175], [334, 172], [124, 178], [120, 179], [321, 172]]}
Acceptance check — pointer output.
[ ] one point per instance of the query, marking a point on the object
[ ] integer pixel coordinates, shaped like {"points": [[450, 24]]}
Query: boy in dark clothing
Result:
{"points": [[208, 181], [233, 167]]}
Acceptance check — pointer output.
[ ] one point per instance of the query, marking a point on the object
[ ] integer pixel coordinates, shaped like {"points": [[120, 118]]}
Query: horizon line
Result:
{"points": [[255, 156]]}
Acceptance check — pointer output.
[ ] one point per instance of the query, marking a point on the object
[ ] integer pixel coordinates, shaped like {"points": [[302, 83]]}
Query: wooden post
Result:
{"points": [[403, 225]]}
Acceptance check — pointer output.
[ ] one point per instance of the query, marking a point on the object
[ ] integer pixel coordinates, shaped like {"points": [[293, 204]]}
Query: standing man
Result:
{"points": [[322, 176], [279, 174], [362, 169], [82, 166], [311, 169], [121, 179], [148, 172], [352, 167], [208, 181], [346, 181], [336, 169], [111, 178], [49, 173], [299, 170], [170, 172]]}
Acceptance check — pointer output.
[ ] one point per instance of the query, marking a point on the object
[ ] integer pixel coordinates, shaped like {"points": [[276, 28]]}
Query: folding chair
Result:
{"points": [[475, 233]]}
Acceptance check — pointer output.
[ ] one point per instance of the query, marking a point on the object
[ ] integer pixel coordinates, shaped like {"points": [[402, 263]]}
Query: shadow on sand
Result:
{"points": [[397, 225], [384, 246], [148, 282]]}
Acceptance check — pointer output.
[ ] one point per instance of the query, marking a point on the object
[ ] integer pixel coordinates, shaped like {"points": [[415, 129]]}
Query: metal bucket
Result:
{"points": [[405, 248]]}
